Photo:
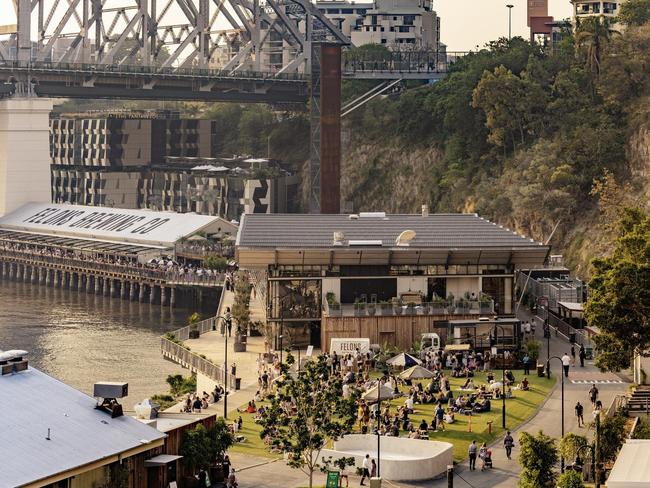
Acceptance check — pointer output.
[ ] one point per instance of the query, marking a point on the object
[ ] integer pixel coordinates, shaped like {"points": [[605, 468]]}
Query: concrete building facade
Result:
{"points": [[583, 9]]}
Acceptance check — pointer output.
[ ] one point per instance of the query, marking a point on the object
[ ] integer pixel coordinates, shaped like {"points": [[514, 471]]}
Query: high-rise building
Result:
{"points": [[159, 161], [583, 9]]}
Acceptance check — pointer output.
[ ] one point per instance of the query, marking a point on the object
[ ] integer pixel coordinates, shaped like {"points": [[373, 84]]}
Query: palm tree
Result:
{"points": [[593, 35]]}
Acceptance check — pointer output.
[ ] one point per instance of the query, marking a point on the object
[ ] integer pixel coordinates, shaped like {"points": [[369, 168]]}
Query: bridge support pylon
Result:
{"points": [[24, 152]]}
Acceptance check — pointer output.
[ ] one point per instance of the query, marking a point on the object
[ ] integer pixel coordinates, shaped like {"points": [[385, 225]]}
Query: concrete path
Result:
{"points": [[261, 472]]}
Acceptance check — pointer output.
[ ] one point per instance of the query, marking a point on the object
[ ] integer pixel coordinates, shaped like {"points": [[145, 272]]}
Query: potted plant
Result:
{"points": [[462, 305], [410, 308], [485, 303], [372, 308], [397, 306], [385, 307], [359, 307], [451, 304], [438, 305], [193, 322], [196, 449], [333, 306], [221, 439], [426, 308]]}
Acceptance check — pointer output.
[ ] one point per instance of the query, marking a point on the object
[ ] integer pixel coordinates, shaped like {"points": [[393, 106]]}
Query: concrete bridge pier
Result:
{"points": [[34, 276], [172, 297], [153, 297], [48, 277], [26, 274], [107, 287], [163, 296], [41, 275], [132, 291], [123, 286], [3, 269], [19, 272], [98, 285], [143, 291], [90, 284], [113, 289], [12, 271], [58, 278]]}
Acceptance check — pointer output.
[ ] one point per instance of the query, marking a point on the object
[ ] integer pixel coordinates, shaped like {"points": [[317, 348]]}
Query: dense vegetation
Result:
{"points": [[514, 133]]}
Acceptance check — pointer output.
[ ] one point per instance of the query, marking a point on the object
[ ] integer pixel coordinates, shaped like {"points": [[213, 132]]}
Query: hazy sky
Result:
{"points": [[468, 23], [464, 23]]}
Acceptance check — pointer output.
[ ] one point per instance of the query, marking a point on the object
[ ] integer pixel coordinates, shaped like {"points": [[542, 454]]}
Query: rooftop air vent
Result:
{"points": [[12, 361], [425, 210], [372, 215], [405, 238], [108, 393], [338, 238], [354, 217]]}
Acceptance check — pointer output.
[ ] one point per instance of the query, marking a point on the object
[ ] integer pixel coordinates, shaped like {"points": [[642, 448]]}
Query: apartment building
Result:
{"points": [[159, 161], [583, 9]]}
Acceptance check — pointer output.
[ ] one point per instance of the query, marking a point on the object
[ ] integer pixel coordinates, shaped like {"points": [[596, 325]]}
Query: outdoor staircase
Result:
{"points": [[639, 399]]}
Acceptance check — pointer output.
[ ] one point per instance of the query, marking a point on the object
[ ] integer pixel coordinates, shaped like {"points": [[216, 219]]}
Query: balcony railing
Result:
{"points": [[441, 308]]}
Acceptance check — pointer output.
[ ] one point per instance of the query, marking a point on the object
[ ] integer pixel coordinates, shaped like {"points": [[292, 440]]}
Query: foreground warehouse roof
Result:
{"points": [[50, 430], [377, 238]]}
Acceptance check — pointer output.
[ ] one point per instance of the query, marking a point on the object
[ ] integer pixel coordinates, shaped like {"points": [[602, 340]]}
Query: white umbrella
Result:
{"points": [[496, 384], [196, 237], [415, 373], [376, 393], [403, 360]]}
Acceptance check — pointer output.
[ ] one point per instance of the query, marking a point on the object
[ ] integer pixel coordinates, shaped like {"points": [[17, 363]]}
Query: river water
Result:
{"points": [[81, 338]]}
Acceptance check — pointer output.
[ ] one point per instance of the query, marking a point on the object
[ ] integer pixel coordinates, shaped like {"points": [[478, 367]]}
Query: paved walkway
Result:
{"points": [[261, 472]]}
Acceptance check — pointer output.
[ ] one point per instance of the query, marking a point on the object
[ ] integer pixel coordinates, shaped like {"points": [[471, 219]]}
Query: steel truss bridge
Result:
{"points": [[267, 51]]}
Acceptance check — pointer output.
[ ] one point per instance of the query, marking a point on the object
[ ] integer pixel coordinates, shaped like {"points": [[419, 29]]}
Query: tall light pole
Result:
{"points": [[509, 21], [503, 370], [548, 372]]}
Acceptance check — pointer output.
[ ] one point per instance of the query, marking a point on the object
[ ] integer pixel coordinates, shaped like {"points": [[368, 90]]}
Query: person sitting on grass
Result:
{"points": [[524, 384], [450, 417], [468, 385], [423, 425], [482, 405], [510, 378], [414, 434]]}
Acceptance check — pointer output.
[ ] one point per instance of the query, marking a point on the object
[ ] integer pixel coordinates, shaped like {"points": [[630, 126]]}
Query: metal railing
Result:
{"points": [[422, 61], [458, 307], [195, 363], [141, 70], [203, 326], [124, 271]]}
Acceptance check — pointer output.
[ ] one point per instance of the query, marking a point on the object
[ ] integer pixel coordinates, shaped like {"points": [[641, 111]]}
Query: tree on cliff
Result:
{"points": [[619, 301], [635, 12]]}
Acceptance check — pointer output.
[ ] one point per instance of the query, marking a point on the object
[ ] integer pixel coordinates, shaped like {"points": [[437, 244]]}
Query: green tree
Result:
{"points": [[221, 438], [570, 479], [241, 311], [321, 414], [592, 37], [619, 299], [218, 263], [612, 435], [634, 12], [571, 445], [196, 448], [537, 457]]}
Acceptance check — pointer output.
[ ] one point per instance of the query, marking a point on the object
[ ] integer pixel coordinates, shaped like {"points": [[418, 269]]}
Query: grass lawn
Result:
{"points": [[518, 409]]}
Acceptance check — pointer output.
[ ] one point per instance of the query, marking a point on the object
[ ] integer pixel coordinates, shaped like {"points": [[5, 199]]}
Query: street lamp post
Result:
{"points": [[503, 370], [592, 448], [225, 364], [509, 21], [548, 373], [547, 333]]}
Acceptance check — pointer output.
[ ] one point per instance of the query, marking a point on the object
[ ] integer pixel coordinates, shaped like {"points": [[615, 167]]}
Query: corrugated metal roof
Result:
{"points": [[437, 231], [31, 402]]}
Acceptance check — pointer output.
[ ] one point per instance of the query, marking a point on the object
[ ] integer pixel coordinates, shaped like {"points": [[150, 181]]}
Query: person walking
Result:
{"points": [[508, 443], [472, 451], [583, 355], [526, 361], [579, 409], [593, 394], [573, 355], [366, 469], [440, 418], [566, 362], [373, 469], [482, 453]]}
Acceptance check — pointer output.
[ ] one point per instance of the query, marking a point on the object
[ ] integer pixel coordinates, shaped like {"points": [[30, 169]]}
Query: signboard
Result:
{"points": [[310, 351], [332, 479], [125, 225], [349, 345]]}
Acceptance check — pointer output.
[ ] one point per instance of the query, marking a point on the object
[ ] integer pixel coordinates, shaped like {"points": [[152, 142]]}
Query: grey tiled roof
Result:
{"points": [[437, 231]]}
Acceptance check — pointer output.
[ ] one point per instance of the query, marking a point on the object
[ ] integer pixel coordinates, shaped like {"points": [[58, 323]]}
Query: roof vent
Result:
{"points": [[109, 392], [354, 217], [365, 243], [425, 210], [372, 215], [338, 238], [405, 238], [12, 361]]}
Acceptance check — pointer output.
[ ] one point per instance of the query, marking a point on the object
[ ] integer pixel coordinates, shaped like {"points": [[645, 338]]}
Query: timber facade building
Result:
{"points": [[389, 278]]}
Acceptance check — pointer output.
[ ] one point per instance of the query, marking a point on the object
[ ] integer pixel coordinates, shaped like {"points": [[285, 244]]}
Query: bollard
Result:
{"points": [[469, 423], [450, 476], [489, 424]]}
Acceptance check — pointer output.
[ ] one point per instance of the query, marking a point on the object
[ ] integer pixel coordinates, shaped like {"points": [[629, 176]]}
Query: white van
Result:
{"points": [[430, 342]]}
